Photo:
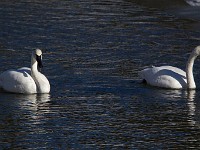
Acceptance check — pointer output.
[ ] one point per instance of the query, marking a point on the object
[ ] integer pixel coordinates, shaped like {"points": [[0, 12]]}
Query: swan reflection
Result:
{"points": [[189, 96], [23, 113], [34, 98], [191, 107], [34, 101]]}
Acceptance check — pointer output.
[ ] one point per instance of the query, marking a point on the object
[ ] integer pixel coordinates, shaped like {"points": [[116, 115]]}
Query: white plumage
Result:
{"points": [[26, 80], [171, 77]]}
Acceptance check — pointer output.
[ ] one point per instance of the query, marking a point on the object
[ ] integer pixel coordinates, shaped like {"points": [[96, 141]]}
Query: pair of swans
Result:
{"points": [[172, 77], [26, 80], [30, 80]]}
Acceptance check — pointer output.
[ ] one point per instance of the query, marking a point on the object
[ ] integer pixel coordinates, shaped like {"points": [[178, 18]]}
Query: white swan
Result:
{"points": [[26, 80], [172, 77]]}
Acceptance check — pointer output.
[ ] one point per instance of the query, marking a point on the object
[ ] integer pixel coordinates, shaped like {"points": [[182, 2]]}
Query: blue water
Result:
{"points": [[93, 51]]}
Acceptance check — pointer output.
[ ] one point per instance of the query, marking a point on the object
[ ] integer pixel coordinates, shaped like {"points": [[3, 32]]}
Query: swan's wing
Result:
{"points": [[165, 76], [26, 69], [18, 81]]}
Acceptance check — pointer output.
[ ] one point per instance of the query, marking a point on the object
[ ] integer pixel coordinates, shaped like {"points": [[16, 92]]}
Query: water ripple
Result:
{"points": [[93, 51]]}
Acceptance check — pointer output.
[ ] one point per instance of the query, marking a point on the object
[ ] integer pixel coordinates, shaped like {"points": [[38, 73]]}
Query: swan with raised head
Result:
{"points": [[26, 80], [172, 77]]}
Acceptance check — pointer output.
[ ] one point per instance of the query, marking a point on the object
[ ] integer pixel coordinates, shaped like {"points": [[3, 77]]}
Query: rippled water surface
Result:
{"points": [[93, 51]]}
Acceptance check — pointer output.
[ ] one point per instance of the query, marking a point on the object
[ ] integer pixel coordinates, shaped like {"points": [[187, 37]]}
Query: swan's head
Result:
{"points": [[37, 55], [38, 52], [197, 51]]}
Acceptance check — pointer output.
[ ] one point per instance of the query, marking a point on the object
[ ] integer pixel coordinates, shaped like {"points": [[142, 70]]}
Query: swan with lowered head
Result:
{"points": [[172, 77], [26, 80]]}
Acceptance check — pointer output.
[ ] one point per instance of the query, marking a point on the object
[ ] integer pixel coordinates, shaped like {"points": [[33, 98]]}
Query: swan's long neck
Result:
{"points": [[189, 72], [35, 73], [34, 64]]}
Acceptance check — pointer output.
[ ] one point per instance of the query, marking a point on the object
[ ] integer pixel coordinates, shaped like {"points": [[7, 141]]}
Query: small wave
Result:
{"points": [[193, 2]]}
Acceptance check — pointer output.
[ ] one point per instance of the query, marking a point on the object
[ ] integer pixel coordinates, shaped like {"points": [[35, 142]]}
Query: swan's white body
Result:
{"points": [[172, 77], [165, 76], [25, 80]]}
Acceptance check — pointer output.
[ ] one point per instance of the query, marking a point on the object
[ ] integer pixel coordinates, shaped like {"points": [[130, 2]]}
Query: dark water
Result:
{"points": [[93, 51]]}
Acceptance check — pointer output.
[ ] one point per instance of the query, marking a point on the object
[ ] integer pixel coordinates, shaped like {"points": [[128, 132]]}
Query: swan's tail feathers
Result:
{"points": [[142, 76], [146, 72]]}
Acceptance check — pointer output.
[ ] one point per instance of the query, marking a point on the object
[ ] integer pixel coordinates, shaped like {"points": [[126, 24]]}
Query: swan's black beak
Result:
{"points": [[39, 60]]}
